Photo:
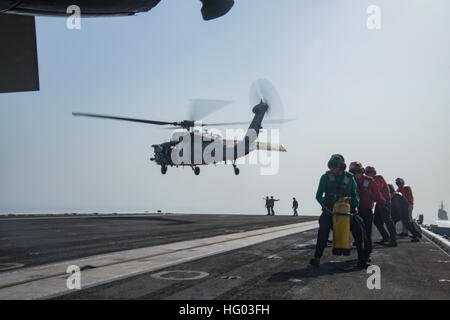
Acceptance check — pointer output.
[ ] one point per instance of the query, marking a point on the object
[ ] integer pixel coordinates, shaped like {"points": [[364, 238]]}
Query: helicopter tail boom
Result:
{"points": [[255, 126]]}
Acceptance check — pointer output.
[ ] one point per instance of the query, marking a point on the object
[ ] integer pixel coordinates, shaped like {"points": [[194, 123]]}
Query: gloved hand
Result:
{"points": [[353, 211]]}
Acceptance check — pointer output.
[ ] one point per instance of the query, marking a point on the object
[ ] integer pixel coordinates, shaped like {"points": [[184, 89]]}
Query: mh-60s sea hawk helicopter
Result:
{"points": [[192, 147]]}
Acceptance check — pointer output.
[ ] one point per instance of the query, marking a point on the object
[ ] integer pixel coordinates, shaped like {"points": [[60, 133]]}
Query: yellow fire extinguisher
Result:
{"points": [[341, 227]]}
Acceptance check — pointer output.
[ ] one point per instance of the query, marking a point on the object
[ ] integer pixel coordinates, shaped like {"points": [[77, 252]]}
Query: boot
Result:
{"points": [[393, 241], [362, 264], [382, 241], [315, 262]]}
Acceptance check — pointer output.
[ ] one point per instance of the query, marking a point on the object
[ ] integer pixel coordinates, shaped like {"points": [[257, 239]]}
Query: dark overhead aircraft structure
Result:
{"points": [[18, 52]]}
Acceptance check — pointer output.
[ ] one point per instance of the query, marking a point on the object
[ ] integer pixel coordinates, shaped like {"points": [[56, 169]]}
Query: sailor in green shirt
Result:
{"points": [[334, 184]]}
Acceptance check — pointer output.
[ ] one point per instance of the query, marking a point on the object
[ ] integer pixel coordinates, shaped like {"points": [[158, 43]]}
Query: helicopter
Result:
{"points": [[194, 147]]}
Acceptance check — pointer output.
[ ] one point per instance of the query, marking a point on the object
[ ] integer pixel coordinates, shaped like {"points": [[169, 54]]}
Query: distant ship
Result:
{"points": [[442, 225], [442, 214]]}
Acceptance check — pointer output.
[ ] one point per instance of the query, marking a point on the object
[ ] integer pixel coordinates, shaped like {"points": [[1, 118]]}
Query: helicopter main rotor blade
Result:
{"points": [[80, 114], [247, 122], [235, 123], [200, 108]]}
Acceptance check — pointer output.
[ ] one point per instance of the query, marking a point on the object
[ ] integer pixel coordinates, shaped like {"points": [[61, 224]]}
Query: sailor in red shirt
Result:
{"points": [[383, 211], [368, 193], [407, 193]]}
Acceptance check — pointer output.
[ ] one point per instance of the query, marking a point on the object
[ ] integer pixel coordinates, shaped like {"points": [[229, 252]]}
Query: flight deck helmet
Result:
{"points": [[337, 161], [370, 171], [356, 168]]}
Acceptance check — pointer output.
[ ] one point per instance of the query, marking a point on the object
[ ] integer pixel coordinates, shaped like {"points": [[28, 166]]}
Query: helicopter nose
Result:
{"points": [[262, 107]]}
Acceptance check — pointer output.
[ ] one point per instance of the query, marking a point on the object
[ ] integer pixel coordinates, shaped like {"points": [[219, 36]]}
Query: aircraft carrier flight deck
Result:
{"points": [[197, 256]]}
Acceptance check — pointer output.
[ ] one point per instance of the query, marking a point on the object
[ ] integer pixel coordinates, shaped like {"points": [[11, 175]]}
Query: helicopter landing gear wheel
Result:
{"points": [[236, 170], [196, 171], [163, 169]]}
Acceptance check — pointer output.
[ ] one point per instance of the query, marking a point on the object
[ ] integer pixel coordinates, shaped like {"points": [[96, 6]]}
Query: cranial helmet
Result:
{"points": [[371, 170], [337, 161], [356, 168], [399, 181]]}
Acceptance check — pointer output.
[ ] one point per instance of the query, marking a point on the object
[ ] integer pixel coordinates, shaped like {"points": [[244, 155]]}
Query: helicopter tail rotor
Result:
{"points": [[263, 91]]}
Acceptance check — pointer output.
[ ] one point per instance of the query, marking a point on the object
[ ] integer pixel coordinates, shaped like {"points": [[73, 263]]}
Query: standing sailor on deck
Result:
{"points": [[295, 206], [267, 205], [382, 215], [368, 192], [337, 183], [272, 204], [407, 193]]}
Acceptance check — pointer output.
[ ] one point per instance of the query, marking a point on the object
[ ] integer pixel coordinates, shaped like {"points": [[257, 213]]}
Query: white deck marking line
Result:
{"points": [[50, 280]]}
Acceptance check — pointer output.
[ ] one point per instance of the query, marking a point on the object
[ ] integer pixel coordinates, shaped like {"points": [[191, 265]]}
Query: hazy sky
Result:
{"points": [[379, 97]]}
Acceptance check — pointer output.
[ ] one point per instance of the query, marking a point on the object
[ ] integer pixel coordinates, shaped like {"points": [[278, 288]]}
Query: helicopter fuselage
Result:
{"points": [[198, 148], [194, 148]]}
